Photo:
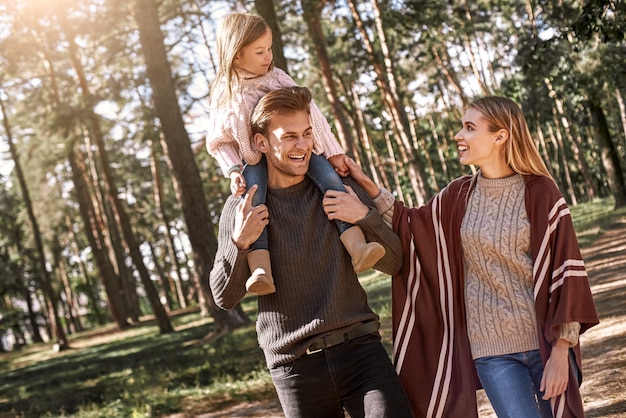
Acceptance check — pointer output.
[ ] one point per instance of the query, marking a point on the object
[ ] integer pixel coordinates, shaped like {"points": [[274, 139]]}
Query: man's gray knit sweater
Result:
{"points": [[317, 290]]}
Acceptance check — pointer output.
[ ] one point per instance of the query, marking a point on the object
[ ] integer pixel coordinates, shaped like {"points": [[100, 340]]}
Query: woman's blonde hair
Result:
{"points": [[235, 32], [520, 153]]}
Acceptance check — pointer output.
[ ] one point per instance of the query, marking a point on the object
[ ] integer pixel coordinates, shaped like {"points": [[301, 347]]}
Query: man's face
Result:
{"points": [[287, 148]]}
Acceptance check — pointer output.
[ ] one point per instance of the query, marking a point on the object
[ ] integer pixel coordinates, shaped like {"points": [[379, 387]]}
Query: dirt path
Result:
{"points": [[604, 346]]}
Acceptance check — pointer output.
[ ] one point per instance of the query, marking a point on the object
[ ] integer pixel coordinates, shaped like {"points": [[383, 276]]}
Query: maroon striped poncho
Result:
{"points": [[431, 348]]}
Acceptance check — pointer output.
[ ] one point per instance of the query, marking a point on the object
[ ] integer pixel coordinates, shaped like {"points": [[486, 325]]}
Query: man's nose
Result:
{"points": [[303, 141]]}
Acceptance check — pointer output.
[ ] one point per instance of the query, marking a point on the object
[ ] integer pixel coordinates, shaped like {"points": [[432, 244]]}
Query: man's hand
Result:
{"points": [[344, 206], [249, 221], [556, 373]]}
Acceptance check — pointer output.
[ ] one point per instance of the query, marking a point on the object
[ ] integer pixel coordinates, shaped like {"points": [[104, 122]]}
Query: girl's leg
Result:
{"points": [[257, 174], [260, 281], [364, 255], [326, 178]]}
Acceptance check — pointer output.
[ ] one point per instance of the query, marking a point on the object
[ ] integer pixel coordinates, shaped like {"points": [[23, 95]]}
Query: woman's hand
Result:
{"points": [[556, 373]]}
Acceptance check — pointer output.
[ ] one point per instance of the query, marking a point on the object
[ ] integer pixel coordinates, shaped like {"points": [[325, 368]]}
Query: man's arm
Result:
{"points": [[240, 225], [356, 207], [230, 268]]}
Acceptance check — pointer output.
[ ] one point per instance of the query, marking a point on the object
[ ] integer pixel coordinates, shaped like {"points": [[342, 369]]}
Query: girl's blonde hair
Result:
{"points": [[520, 153], [235, 32]]}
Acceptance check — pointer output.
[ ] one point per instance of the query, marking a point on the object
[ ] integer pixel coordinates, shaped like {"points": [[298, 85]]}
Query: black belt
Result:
{"points": [[330, 340]]}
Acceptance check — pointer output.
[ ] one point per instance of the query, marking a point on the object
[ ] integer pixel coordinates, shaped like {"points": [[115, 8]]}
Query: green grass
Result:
{"points": [[139, 373], [591, 219]]}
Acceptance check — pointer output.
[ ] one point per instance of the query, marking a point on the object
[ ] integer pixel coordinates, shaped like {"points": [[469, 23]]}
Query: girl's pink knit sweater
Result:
{"points": [[229, 137]]}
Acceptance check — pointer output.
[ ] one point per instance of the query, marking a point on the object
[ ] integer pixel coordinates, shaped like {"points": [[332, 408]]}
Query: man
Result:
{"points": [[319, 336]]}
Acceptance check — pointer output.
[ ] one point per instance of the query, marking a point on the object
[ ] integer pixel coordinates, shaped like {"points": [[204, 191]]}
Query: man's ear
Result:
{"points": [[260, 141]]}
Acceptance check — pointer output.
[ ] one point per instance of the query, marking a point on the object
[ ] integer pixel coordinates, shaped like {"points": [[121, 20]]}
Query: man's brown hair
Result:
{"points": [[284, 100]]}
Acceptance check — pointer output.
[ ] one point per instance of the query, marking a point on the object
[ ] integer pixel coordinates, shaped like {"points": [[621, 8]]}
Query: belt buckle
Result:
{"points": [[309, 351], [326, 345]]}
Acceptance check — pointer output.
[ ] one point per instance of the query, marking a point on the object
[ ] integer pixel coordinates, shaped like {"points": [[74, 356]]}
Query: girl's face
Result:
{"points": [[256, 57], [478, 146]]}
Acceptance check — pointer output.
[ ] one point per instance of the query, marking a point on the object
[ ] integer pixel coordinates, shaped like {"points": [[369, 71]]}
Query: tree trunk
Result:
{"points": [[121, 217], [267, 11], [311, 12], [566, 178], [389, 93], [92, 213], [175, 268], [373, 159], [590, 187], [93, 230], [92, 289], [608, 154], [178, 148], [622, 113], [45, 280]]}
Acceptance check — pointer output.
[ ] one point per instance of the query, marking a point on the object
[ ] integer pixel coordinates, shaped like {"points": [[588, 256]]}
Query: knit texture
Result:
{"points": [[495, 236], [317, 290], [229, 136]]}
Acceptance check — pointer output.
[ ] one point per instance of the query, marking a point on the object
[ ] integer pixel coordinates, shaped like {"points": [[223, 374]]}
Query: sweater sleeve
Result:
{"points": [[230, 268], [323, 135], [325, 141], [384, 203], [221, 142], [227, 156], [375, 229]]}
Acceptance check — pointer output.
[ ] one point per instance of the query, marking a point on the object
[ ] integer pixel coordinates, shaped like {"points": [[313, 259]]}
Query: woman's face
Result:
{"points": [[256, 57], [476, 144]]}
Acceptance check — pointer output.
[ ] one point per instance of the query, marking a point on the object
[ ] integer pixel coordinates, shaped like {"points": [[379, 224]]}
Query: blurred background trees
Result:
{"points": [[109, 202]]}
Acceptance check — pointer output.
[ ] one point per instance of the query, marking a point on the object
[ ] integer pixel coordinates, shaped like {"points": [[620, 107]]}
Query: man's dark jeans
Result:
{"points": [[356, 376]]}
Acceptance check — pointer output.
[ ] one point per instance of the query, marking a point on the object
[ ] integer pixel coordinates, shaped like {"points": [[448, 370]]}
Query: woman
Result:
{"points": [[492, 281]]}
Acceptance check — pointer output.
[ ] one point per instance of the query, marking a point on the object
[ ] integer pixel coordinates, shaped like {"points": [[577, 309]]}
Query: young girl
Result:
{"points": [[245, 74], [492, 280]]}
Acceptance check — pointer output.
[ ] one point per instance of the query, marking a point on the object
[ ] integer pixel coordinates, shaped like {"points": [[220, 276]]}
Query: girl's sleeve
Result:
{"points": [[325, 141], [227, 156], [221, 142]]}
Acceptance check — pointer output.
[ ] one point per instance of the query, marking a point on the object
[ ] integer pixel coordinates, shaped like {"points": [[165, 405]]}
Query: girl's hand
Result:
{"points": [[357, 174], [237, 183], [340, 162]]}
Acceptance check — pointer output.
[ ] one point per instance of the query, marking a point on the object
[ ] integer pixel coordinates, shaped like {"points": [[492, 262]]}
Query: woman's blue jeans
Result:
{"points": [[512, 383], [320, 171]]}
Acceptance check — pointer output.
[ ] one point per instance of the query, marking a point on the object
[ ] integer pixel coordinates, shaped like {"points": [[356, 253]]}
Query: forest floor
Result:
{"points": [[603, 347]]}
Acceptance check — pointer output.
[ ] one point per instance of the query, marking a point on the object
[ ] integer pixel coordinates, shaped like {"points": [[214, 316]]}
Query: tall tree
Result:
{"points": [[46, 278], [179, 152]]}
